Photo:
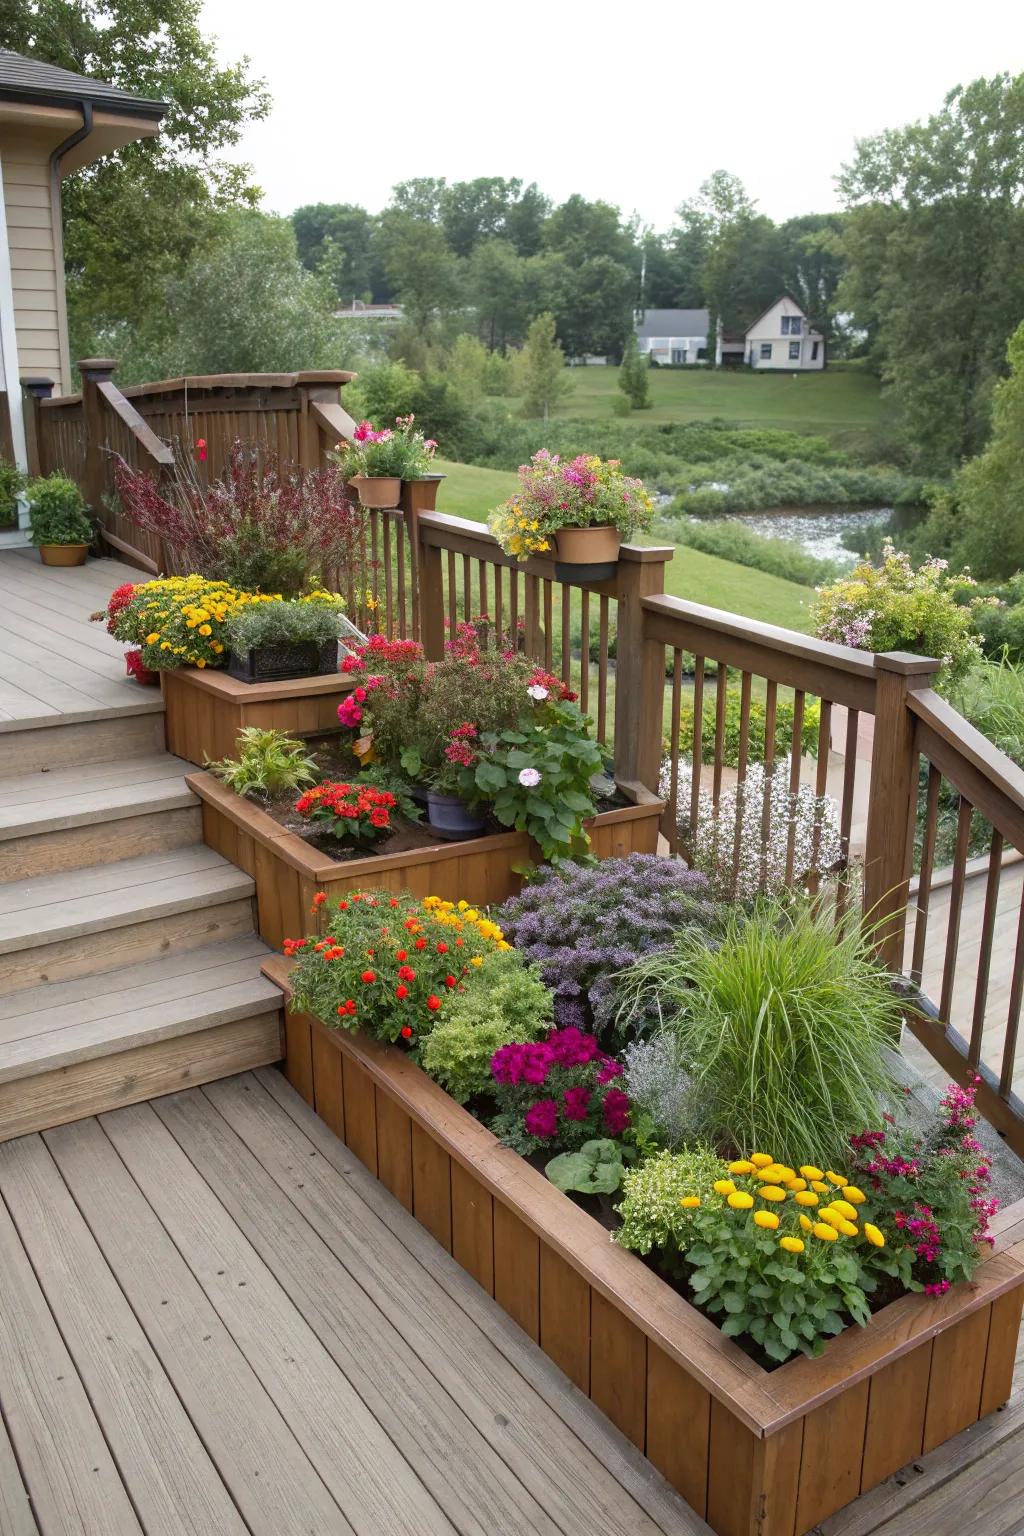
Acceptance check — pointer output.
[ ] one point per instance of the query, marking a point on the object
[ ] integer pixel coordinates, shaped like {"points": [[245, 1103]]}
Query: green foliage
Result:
{"points": [[992, 699], [734, 541], [338, 240], [595, 1169], [634, 376], [515, 1005], [391, 389], [541, 377], [380, 777], [783, 1026], [269, 763], [757, 724], [313, 621], [57, 512], [12, 483], [650, 1213]]}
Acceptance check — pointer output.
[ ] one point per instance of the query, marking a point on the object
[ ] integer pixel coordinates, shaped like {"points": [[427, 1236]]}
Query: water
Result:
{"points": [[820, 531]]}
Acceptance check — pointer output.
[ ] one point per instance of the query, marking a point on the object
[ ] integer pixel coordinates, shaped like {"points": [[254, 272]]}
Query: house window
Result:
{"points": [[792, 325], [766, 351], [814, 351], [794, 351]]}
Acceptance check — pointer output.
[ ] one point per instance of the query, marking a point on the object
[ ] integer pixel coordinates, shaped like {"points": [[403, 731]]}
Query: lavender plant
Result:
{"points": [[660, 1089], [583, 925]]}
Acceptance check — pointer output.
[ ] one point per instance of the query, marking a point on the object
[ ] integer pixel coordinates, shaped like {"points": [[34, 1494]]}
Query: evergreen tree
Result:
{"points": [[541, 371], [633, 377]]}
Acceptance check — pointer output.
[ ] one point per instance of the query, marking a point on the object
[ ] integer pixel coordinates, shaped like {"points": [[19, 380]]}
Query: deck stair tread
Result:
{"points": [[44, 909], [96, 792], [58, 1025]]}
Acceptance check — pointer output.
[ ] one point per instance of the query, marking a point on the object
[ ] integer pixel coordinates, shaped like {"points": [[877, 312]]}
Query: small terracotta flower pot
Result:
{"points": [[378, 490], [63, 554], [421, 495], [587, 554]]}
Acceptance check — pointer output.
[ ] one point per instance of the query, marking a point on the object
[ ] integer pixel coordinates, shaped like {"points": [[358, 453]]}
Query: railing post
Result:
{"points": [[889, 846], [34, 391], [639, 669], [94, 371], [427, 560]]}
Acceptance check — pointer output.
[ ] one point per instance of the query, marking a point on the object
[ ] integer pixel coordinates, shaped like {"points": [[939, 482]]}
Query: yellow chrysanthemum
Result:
{"points": [[822, 1189], [853, 1194], [808, 1171], [805, 1197], [741, 1166], [832, 1217], [740, 1200], [791, 1244], [827, 1234], [477, 960], [772, 1192], [873, 1235], [724, 1187], [205, 631], [845, 1209], [153, 638], [806, 1224], [767, 1219], [796, 1185], [690, 1202], [838, 1179], [847, 1228], [784, 1173], [761, 1159]]}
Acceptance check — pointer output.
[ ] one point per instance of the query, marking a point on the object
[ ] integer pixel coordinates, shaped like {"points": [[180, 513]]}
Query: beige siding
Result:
{"points": [[33, 235]]}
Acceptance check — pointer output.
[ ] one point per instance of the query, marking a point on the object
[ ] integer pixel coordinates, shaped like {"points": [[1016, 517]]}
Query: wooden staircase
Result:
{"points": [[129, 961]]}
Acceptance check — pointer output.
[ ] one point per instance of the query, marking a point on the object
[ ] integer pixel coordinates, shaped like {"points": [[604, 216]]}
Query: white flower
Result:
{"points": [[537, 692], [529, 778]]}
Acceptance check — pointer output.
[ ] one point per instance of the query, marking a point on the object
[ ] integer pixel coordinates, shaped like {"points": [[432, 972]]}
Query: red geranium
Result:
{"points": [[353, 813]]}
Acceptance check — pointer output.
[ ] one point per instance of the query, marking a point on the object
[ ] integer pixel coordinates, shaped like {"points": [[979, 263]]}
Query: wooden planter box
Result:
{"points": [[204, 711], [288, 871], [754, 1453]]}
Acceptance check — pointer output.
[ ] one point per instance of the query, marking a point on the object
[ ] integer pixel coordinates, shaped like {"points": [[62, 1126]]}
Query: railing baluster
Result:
{"points": [[400, 537], [498, 605], [467, 590], [722, 685], [375, 532], [924, 879], [602, 671], [670, 822], [988, 922], [584, 651], [956, 905], [513, 606], [453, 595], [549, 621], [566, 600], [389, 586], [820, 788], [795, 754], [741, 774], [697, 751], [484, 610], [771, 707], [1013, 1009]]}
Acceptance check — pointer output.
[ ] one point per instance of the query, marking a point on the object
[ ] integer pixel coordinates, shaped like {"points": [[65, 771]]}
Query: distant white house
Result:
{"points": [[360, 311], [781, 338]]}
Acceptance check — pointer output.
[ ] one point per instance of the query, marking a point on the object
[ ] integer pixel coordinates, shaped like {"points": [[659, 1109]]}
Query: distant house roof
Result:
{"points": [[772, 305], [672, 322], [25, 79]]}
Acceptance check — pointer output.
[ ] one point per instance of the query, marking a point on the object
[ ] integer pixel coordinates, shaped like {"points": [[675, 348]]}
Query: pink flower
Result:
{"points": [[364, 432], [576, 1101], [541, 1119]]}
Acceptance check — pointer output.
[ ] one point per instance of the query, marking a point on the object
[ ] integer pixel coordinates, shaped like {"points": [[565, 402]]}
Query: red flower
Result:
{"points": [[401, 992], [400, 954], [406, 1032], [442, 947], [350, 1006], [319, 898], [394, 902], [421, 943], [433, 1003], [407, 973], [201, 449], [342, 906], [368, 976], [450, 981]]}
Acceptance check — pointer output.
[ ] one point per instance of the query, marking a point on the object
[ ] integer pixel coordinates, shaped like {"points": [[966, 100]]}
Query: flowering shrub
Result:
{"points": [[934, 1192], [583, 925], [352, 813], [178, 621], [400, 451], [811, 820], [892, 607], [558, 1092], [390, 964], [652, 1213], [514, 1005], [585, 492]]}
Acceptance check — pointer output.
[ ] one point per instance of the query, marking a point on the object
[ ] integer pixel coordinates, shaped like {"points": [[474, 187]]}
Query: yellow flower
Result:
{"points": [[724, 1187], [761, 1160], [772, 1192], [153, 638], [205, 630], [806, 1224], [873, 1235], [822, 1189], [832, 1217], [837, 1179], [847, 1228], [784, 1173], [740, 1200], [690, 1202], [808, 1171], [796, 1185], [766, 1219], [741, 1166], [769, 1172], [477, 960], [827, 1234], [791, 1244], [845, 1209], [805, 1197], [852, 1193]]}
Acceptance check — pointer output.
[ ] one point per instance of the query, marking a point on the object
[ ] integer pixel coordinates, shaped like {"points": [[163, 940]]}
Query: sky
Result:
{"points": [[635, 107]]}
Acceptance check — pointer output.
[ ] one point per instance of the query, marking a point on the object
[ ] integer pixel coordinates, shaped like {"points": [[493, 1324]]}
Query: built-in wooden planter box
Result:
{"points": [[204, 711], [755, 1453], [288, 871]]}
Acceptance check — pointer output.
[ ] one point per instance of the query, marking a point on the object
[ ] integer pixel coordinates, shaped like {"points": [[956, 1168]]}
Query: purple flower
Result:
{"points": [[577, 1103], [541, 1119], [615, 1111]]}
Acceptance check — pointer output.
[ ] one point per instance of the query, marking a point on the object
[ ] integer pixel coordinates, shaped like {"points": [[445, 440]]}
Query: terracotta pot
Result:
{"points": [[421, 495], [63, 554], [587, 554], [378, 490]]}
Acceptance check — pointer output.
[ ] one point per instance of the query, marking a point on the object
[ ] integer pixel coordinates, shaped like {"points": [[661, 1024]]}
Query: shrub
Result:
{"points": [[999, 620], [892, 607], [57, 512], [783, 1026], [268, 763], [12, 483], [584, 925], [559, 1092], [992, 698], [179, 621], [313, 620], [756, 727], [391, 965], [734, 541], [353, 814], [514, 1006], [584, 493], [651, 1213], [260, 527], [661, 1091], [393, 451]]}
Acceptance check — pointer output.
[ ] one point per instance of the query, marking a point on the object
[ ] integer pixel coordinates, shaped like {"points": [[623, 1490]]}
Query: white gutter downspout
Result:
{"points": [[9, 342]]}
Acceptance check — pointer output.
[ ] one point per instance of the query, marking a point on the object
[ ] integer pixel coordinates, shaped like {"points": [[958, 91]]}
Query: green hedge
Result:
{"points": [[756, 730]]}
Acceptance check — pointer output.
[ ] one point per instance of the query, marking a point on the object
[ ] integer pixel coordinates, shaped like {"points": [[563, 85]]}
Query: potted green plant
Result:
{"points": [[12, 483], [269, 642], [59, 525], [377, 462], [580, 510]]}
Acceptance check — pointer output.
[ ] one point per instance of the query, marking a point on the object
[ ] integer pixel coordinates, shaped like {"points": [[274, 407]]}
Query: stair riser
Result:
{"points": [[99, 842], [89, 741], [143, 1072], [134, 944]]}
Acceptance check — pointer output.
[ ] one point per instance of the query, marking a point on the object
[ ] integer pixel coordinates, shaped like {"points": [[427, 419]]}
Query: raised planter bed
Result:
{"points": [[204, 711], [755, 1453], [288, 871]]}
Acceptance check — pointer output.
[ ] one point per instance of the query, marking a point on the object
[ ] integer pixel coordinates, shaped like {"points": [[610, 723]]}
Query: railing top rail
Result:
{"points": [[337, 376], [54, 402], [465, 536], [967, 742], [142, 432]]}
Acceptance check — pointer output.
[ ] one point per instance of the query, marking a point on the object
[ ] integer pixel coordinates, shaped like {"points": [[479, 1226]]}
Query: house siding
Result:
{"points": [[768, 328], [37, 257]]}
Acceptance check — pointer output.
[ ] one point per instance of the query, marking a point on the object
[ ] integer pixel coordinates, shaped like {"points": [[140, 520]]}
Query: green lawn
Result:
{"points": [[471, 492]]}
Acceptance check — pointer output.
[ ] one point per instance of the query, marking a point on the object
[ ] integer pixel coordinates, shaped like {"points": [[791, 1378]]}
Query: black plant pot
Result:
{"points": [[276, 663]]}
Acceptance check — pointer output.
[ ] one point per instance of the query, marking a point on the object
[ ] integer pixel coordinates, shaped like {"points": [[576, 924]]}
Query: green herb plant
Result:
{"points": [[269, 763], [305, 621], [515, 1005]]}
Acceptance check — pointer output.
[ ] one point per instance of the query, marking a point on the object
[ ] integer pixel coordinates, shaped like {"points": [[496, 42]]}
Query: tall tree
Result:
{"points": [[814, 261], [989, 492], [420, 266], [541, 374], [340, 240], [634, 375], [497, 289]]}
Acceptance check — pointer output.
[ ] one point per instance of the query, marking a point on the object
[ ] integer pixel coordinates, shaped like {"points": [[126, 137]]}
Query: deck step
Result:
{"points": [[96, 813], [53, 743], [57, 927], [80, 1047]]}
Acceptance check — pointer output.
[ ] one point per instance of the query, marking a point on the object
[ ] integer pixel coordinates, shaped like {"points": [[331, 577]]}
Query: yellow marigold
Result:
{"points": [[847, 1228], [153, 638], [771, 1192], [805, 1197], [770, 1172], [832, 1217], [808, 1171], [827, 1234], [838, 1179], [477, 960], [845, 1209], [822, 1189], [873, 1235], [791, 1244], [204, 629], [766, 1219], [855, 1195], [806, 1224], [784, 1173], [740, 1200], [796, 1185], [724, 1187], [690, 1202], [741, 1166], [761, 1159]]}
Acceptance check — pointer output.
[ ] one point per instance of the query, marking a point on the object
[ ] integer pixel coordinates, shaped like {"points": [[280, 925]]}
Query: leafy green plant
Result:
{"points": [[376, 776], [757, 727], [783, 1026], [268, 763], [651, 1212], [12, 483], [515, 1005], [595, 1169], [57, 512], [311, 620]]}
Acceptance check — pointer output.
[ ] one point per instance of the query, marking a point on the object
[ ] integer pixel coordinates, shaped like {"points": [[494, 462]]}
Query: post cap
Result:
{"points": [[38, 385], [96, 365], [906, 663]]}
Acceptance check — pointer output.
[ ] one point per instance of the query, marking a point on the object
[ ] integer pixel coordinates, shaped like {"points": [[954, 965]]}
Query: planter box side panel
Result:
{"points": [[205, 712], [199, 726]]}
